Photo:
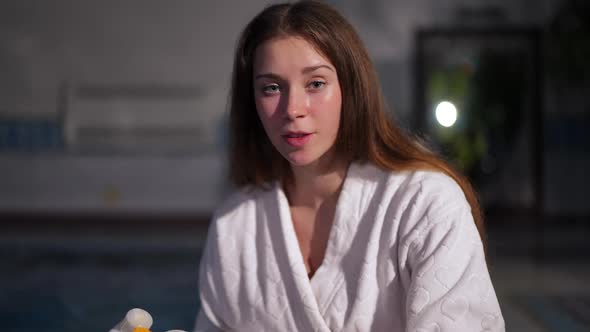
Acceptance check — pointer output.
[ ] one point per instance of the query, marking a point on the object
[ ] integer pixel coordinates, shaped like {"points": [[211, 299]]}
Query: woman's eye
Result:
{"points": [[317, 84], [271, 88]]}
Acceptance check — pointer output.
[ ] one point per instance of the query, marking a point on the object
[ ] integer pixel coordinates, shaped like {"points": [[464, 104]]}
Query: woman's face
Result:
{"points": [[298, 99]]}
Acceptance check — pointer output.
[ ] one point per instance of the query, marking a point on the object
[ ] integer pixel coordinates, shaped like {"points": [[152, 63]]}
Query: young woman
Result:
{"points": [[341, 222]]}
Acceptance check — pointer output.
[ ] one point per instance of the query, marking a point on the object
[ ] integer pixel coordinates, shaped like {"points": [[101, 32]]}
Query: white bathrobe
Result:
{"points": [[403, 255]]}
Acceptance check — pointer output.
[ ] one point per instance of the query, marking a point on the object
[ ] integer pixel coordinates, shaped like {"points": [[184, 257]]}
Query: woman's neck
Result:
{"points": [[313, 184]]}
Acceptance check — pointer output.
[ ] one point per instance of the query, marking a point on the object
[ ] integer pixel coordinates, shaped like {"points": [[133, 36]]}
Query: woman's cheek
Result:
{"points": [[269, 106], [266, 111], [262, 110], [325, 101]]}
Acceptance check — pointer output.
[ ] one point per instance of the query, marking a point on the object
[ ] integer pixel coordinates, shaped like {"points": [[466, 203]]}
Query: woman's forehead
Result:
{"points": [[288, 54]]}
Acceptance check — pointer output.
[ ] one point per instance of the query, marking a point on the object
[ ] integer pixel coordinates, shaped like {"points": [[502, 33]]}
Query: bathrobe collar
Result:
{"points": [[314, 294]]}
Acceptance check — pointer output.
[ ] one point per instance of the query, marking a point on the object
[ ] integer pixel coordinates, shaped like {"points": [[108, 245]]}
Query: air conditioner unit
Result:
{"points": [[140, 118]]}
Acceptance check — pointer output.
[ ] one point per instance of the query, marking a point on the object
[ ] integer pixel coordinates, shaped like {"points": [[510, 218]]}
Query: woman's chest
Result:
{"points": [[345, 291], [312, 230]]}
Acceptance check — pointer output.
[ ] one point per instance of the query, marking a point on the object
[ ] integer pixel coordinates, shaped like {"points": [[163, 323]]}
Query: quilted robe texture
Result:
{"points": [[403, 255]]}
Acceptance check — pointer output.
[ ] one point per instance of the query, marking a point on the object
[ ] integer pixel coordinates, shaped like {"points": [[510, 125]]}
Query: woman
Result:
{"points": [[341, 222]]}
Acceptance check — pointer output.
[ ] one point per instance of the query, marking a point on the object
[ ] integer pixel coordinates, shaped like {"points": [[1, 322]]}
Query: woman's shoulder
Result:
{"points": [[432, 202], [425, 185], [432, 185], [433, 192], [417, 196], [240, 202], [410, 194]]}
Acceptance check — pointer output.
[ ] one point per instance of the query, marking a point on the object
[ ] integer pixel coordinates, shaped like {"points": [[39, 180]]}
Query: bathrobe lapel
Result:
{"points": [[316, 294]]}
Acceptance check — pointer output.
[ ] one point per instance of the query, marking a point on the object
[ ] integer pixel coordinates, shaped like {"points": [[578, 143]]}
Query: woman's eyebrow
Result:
{"points": [[268, 75], [305, 70], [313, 68]]}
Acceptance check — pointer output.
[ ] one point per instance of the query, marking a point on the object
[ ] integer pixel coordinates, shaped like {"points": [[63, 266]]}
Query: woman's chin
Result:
{"points": [[309, 157], [299, 158], [299, 162]]}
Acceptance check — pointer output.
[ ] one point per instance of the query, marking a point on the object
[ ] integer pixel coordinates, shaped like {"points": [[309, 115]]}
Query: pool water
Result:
{"points": [[65, 289]]}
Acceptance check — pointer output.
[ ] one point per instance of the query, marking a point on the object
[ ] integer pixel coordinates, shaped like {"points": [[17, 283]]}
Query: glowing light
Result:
{"points": [[446, 114]]}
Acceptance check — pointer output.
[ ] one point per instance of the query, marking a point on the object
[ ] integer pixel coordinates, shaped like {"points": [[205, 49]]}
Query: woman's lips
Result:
{"points": [[297, 139]]}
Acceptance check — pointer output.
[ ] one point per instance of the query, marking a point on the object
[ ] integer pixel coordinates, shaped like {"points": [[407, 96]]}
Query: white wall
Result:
{"points": [[46, 43], [179, 185]]}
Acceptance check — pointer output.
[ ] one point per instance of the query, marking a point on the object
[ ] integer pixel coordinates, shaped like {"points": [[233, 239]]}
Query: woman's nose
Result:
{"points": [[295, 104]]}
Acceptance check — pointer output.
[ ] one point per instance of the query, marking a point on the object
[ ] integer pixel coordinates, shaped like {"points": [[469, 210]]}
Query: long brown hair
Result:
{"points": [[366, 133]]}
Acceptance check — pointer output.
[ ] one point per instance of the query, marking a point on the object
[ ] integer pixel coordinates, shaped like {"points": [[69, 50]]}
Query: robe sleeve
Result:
{"points": [[449, 284], [204, 324], [207, 320]]}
